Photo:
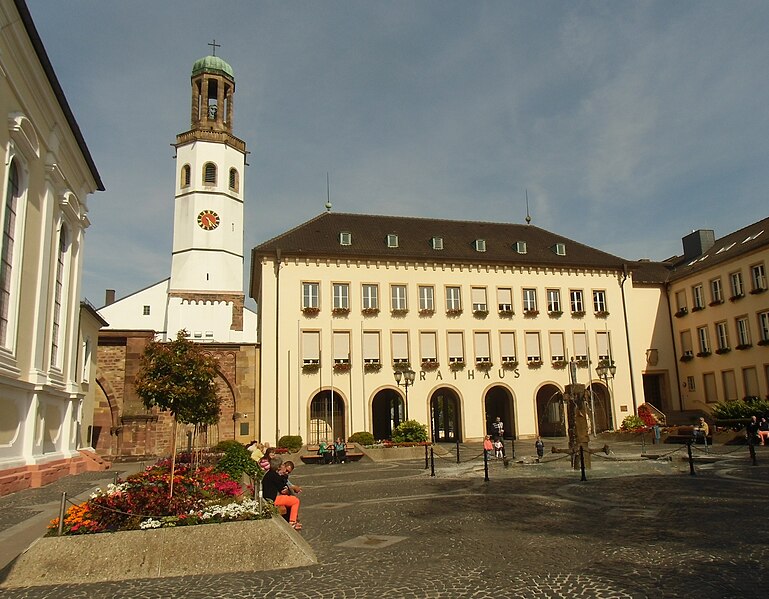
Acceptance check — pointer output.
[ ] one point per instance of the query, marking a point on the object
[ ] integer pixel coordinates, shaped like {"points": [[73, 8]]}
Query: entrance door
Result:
{"points": [[499, 402], [326, 417], [653, 393], [550, 414], [445, 416], [387, 413]]}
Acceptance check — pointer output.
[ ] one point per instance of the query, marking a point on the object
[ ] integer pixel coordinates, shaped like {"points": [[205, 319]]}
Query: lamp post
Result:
{"points": [[606, 371], [405, 378]]}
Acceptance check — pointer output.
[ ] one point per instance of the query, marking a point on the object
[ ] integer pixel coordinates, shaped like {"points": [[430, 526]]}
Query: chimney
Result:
{"points": [[109, 297], [698, 242]]}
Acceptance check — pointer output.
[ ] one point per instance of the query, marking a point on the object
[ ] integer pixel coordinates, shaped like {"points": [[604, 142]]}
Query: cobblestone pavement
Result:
{"points": [[633, 529]]}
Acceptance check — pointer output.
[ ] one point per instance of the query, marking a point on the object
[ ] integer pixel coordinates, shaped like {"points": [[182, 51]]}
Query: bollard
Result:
{"points": [[512, 449], [114, 478], [62, 505], [691, 459], [485, 466], [752, 450], [426, 465], [582, 462], [432, 462], [457, 450]]}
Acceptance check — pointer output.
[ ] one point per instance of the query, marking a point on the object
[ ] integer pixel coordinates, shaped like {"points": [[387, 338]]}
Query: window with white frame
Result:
{"points": [[698, 295], [456, 347], [8, 257], [686, 344], [735, 280], [603, 344], [400, 345], [428, 347], [453, 299], [507, 346], [426, 298], [310, 295], [704, 340], [59, 295], [743, 331], [398, 297], [392, 240], [482, 347], [716, 292], [345, 238], [750, 381], [599, 301], [520, 247], [722, 335], [729, 382], [480, 245], [580, 346], [763, 326], [758, 277], [554, 300], [533, 351], [370, 297], [478, 298], [709, 383], [557, 349], [341, 296], [577, 300], [690, 383], [341, 340], [371, 347], [310, 348], [437, 243], [505, 299], [145, 310], [529, 300]]}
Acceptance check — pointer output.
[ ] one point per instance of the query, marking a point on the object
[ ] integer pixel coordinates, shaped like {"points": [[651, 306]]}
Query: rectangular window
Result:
{"points": [[716, 293], [557, 351], [709, 383], [310, 295], [681, 301], [722, 336], [392, 240], [398, 297], [529, 300], [743, 332], [599, 301], [310, 347], [505, 299], [400, 343], [735, 280], [482, 348], [428, 347], [730, 385], [554, 300], [453, 299], [704, 340], [580, 345], [371, 297], [763, 326], [603, 344], [699, 297], [758, 277], [341, 347], [520, 247], [456, 347], [686, 344], [576, 298], [341, 296], [146, 310], [426, 298], [690, 382], [478, 298], [507, 346], [371, 347], [533, 352], [345, 238], [750, 381]]}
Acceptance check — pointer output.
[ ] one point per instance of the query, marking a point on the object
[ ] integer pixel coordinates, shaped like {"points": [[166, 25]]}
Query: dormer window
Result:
{"points": [[392, 240], [479, 245], [559, 249], [437, 243], [520, 247], [345, 238]]}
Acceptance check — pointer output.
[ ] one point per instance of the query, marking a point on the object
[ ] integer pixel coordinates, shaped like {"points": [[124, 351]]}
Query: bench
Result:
{"points": [[313, 457], [684, 434]]}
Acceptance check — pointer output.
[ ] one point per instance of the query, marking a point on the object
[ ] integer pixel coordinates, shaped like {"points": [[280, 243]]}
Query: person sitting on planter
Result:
{"points": [[275, 488], [325, 452], [340, 451], [763, 430]]}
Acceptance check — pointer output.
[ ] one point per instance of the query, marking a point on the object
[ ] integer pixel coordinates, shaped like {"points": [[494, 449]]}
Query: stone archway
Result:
{"points": [[600, 407], [327, 417], [446, 416], [499, 402], [387, 412], [551, 418]]}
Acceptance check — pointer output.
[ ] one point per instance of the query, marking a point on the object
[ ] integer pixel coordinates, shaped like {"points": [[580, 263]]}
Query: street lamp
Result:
{"points": [[405, 378]]}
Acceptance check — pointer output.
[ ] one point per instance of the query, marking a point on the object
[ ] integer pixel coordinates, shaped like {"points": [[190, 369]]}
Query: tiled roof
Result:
{"points": [[648, 272], [744, 241]]}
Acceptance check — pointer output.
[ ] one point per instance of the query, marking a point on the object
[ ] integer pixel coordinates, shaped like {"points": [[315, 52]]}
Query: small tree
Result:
{"points": [[410, 431], [178, 377]]}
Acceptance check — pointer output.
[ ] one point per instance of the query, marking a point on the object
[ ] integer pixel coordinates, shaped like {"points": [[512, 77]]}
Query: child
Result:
{"points": [[540, 448], [488, 446], [499, 449]]}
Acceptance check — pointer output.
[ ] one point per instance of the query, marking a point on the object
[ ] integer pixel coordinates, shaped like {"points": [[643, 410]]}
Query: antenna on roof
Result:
{"points": [[328, 195], [528, 216]]}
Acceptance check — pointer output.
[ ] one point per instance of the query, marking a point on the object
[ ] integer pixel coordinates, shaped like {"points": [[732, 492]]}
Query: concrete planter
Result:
{"points": [[160, 553], [384, 454]]}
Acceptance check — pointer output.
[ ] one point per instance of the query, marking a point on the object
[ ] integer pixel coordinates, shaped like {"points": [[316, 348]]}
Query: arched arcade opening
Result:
{"points": [[499, 402], [387, 412], [327, 417], [551, 417], [445, 416]]}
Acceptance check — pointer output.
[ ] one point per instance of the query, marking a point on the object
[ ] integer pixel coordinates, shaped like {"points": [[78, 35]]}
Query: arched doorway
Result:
{"points": [[551, 418], [499, 402], [326, 417], [445, 416], [600, 407], [387, 413]]}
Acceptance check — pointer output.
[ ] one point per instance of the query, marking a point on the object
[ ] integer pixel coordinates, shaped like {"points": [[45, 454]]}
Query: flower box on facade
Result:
{"points": [[399, 312], [430, 364], [757, 290], [681, 312], [578, 313], [582, 363], [372, 367], [716, 302], [456, 365], [342, 367], [483, 365], [426, 312], [310, 311], [310, 368], [763, 342], [742, 346], [370, 311], [558, 364], [602, 313], [506, 313], [703, 354], [736, 297], [340, 311], [698, 308], [723, 350], [510, 364], [686, 358], [480, 313], [534, 363], [456, 312], [555, 313], [530, 313], [401, 366]]}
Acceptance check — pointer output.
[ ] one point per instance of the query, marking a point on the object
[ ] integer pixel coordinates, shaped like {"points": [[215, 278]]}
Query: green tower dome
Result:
{"points": [[212, 64]]}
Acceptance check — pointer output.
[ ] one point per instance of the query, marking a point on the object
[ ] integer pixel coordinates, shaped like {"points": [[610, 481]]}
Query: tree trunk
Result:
{"points": [[173, 458]]}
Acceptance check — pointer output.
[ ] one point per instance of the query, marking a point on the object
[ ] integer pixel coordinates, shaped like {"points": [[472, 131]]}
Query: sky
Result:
{"points": [[629, 124]]}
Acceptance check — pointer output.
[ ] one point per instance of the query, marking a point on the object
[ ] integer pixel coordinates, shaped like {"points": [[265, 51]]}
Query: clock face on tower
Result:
{"points": [[208, 220]]}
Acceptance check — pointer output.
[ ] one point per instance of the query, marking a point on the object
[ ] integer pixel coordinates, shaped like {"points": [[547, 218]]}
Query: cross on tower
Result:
{"points": [[214, 45]]}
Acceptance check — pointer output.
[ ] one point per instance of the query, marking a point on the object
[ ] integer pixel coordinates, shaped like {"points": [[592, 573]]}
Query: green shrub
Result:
{"points": [[291, 442], [237, 461], [410, 431], [223, 446], [740, 409], [632, 423], [361, 437]]}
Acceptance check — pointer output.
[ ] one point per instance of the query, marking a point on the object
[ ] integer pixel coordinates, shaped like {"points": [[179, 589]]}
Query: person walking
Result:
{"points": [[539, 445], [751, 430]]}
